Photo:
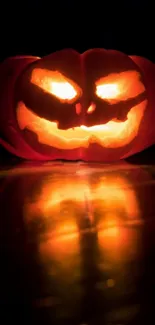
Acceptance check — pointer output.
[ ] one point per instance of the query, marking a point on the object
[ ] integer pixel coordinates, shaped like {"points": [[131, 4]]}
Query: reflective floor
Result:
{"points": [[77, 244]]}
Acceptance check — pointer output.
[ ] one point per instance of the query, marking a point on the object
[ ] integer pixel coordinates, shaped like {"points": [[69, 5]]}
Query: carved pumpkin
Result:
{"points": [[95, 106]]}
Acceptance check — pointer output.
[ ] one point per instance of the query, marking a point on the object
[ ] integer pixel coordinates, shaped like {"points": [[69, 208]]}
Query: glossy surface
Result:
{"points": [[77, 244]]}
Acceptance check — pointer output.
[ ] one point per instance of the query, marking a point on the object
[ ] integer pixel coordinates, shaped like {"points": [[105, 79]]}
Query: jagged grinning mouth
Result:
{"points": [[113, 134]]}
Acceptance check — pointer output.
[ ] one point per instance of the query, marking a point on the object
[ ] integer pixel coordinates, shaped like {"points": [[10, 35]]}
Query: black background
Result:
{"points": [[40, 27]]}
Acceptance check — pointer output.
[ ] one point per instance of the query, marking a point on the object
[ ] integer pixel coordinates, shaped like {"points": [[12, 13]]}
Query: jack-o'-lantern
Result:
{"points": [[95, 106]]}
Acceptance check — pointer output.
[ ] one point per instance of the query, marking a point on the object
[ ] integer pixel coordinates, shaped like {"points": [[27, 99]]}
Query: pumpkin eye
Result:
{"points": [[119, 86], [56, 84]]}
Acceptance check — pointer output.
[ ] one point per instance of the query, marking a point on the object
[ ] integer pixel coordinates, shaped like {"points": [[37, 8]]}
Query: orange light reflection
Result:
{"points": [[119, 244], [62, 204], [63, 201]]}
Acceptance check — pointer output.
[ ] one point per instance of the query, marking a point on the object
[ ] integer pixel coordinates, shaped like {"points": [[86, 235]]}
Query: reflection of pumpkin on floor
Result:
{"points": [[89, 221], [109, 203], [68, 197], [67, 206], [97, 106], [81, 227]]}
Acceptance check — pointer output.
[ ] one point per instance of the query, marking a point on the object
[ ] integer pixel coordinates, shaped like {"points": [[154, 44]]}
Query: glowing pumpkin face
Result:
{"points": [[94, 106]]}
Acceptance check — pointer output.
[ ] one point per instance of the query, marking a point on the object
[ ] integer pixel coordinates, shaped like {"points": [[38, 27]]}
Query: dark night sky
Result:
{"points": [[41, 27]]}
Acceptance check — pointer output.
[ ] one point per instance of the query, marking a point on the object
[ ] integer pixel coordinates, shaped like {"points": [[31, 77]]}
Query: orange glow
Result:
{"points": [[113, 134], [62, 248], [91, 108], [78, 108], [118, 244], [64, 199], [119, 86], [60, 207], [67, 193], [56, 84], [113, 192]]}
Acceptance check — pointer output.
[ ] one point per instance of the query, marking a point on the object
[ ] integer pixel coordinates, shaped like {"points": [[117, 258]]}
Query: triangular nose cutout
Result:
{"points": [[91, 108]]}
